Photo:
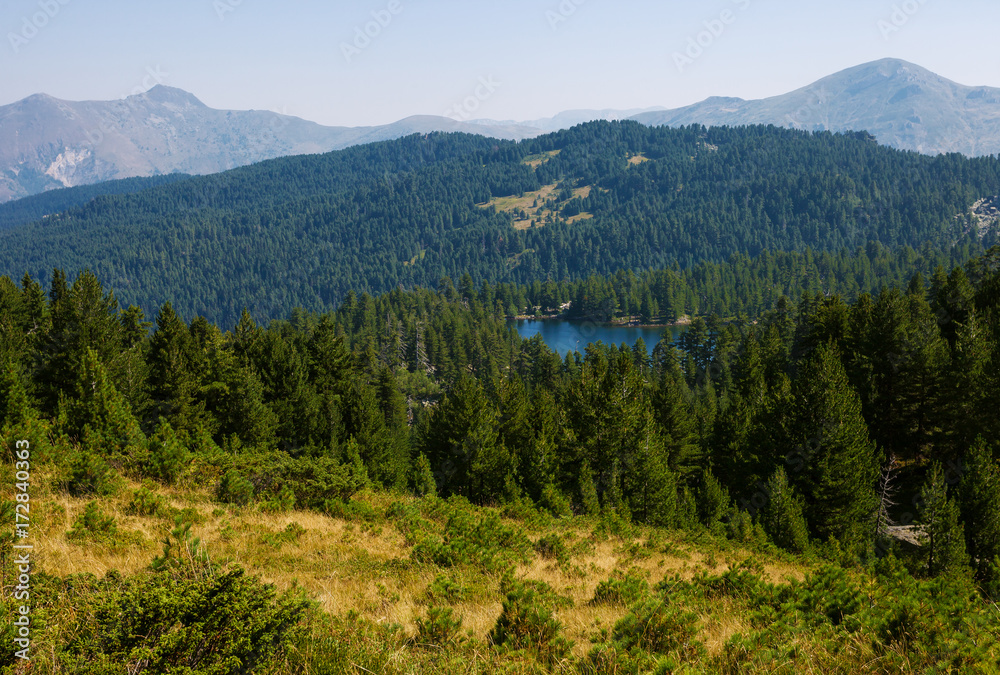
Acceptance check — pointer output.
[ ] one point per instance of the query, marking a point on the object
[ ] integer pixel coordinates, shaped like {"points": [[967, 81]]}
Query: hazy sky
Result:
{"points": [[515, 59]]}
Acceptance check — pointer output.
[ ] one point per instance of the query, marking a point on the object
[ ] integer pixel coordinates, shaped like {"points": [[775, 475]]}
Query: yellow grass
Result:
{"points": [[347, 566], [539, 213], [535, 161]]}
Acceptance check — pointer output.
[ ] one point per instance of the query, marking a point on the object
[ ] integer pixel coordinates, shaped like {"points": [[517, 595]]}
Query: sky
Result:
{"points": [[373, 62]]}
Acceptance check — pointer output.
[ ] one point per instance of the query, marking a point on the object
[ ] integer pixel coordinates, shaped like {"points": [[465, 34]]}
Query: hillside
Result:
{"points": [[52, 202], [48, 143], [899, 103], [608, 196], [405, 486]]}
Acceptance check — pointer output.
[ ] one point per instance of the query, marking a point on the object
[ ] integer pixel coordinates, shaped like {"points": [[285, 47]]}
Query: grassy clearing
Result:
{"points": [[538, 207], [399, 584], [367, 566], [535, 161]]}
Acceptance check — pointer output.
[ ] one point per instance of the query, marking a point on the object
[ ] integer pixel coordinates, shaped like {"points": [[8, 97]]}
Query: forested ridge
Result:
{"points": [[52, 202], [813, 429], [609, 196], [279, 421]]}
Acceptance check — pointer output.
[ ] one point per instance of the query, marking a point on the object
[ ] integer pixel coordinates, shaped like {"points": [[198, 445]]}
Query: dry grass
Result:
{"points": [[638, 159], [367, 568], [535, 161], [539, 213]]}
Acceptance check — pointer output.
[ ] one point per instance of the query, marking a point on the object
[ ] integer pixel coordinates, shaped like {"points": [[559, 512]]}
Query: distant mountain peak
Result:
{"points": [[48, 143], [165, 95], [900, 103]]}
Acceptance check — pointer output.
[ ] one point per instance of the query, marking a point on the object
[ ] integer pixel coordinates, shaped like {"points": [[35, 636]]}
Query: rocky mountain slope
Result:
{"points": [[48, 143], [901, 104]]}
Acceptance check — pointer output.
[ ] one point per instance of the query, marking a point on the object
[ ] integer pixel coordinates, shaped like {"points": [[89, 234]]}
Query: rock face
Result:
{"points": [[48, 143], [901, 104]]}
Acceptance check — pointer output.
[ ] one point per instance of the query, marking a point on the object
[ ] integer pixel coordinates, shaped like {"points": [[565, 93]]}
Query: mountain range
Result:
{"points": [[47, 143], [901, 104]]}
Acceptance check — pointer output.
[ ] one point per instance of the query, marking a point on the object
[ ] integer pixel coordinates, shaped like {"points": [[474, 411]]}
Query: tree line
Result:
{"points": [[306, 231], [796, 425]]}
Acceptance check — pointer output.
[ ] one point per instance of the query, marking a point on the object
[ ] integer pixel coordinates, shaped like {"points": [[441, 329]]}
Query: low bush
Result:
{"points": [[527, 623]]}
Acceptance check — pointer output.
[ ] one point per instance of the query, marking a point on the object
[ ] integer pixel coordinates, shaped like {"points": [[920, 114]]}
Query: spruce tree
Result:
{"points": [[174, 369], [946, 552], [834, 463], [781, 515], [980, 508]]}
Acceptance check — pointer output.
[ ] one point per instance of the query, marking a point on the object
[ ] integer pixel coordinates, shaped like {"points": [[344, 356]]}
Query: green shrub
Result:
{"points": [[445, 589], [291, 534], [739, 581], [527, 623], [552, 547], [440, 628], [281, 502], [228, 623], [234, 489], [89, 474], [657, 627], [352, 511], [167, 454], [146, 503], [621, 589], [470, 540], [93, 524]]}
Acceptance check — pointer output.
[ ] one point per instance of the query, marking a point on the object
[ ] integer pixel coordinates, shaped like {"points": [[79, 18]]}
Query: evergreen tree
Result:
{"points": [[174, 368], [980, 508], [98, 415], [835, 464], [781, 515], [464, 447], [946, 552]]}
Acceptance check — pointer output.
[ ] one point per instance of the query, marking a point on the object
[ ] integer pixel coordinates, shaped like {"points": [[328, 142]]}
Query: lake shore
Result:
{"points": [[683, 321]]}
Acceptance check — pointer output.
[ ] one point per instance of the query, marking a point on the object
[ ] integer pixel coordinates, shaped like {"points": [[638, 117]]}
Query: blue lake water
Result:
{"points": [[567, 336]]}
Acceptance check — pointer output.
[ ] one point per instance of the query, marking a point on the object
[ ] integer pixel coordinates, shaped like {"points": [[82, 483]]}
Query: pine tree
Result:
{"points": [[980, 508], [946, 552], [781, 515], [174, 368], [835, 465], [464, 447], [98, 415], [84, 318]]}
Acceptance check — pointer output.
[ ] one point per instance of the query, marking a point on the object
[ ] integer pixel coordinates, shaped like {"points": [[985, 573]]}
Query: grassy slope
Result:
{"points": [[350, 564]]}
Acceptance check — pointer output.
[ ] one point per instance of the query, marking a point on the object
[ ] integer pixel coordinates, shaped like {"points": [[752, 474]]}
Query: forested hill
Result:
{"points": [[598, 198], [48, 203]]}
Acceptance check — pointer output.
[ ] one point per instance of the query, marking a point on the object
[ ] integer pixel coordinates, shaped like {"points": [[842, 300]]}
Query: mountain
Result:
{"points": [[901, 104], [48, 143], [600, 198], [570, 118]]}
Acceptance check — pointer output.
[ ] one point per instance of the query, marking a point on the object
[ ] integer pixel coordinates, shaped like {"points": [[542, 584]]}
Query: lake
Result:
{"points": [[567, 336]]}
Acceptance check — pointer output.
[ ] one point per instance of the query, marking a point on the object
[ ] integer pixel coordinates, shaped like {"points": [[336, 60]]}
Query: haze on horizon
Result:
{"points": [[539, 57]]}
